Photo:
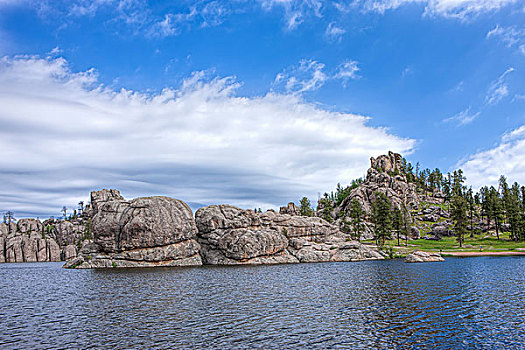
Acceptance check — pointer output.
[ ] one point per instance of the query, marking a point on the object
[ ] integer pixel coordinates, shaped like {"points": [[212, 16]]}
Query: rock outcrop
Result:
{"points": [[419, 256], [151, 231], [384, 176], [230, 236], [290, 209], [26, 242]]}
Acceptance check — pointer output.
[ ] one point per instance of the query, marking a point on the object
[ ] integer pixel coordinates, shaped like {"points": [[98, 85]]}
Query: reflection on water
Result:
{"points": [[461, 303]]}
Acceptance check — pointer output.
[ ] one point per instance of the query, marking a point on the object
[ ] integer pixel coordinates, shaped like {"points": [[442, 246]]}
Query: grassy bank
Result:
{"points": [[450, 244]]}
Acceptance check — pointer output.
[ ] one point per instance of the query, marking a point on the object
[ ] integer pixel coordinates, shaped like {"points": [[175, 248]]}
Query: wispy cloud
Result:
{"points": [[311, 75], [64, 133], [308, 75], [333, 32], [463, 118], [510, 36], [498, 89], [346, 71], [295, 11], [460, 9]]}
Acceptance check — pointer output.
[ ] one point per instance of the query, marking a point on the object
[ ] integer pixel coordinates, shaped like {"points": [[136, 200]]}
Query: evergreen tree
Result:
{"points": [[495, 209], [457, 183], [381, 217], [505, 196], [398, 223], [515, 213], [406, 222], [459, 215], [470, 201], [485, 203], [305, 208], [357, 215]]}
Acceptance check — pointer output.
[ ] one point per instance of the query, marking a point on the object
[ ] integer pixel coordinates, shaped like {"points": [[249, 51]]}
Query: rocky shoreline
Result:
{"points": [[160, 231]]}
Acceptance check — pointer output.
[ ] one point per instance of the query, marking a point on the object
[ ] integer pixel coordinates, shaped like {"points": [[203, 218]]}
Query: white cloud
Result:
{"points": [[333, 32], [347, 71], [498, 89], [461, 9], [311, 75], [462, 118], [295, 11], [64, 134], [507, 158], [510, 36], [202, 15], [308, 75]]}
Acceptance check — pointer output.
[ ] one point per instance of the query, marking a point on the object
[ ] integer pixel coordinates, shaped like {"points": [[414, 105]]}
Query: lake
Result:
{"points": [[460, 303]]}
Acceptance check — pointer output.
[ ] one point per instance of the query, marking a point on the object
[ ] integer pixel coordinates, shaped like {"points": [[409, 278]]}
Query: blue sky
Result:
{"points": [[254, 103]]}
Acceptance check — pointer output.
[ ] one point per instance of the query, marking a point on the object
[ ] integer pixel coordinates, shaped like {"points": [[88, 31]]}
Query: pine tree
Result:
{"points": [[305, 207], [505, 196], [406, 222], [357, 216], [397, 222], [496, 209], [470, 201], [381, 217], [459, 215], [515, 212]]}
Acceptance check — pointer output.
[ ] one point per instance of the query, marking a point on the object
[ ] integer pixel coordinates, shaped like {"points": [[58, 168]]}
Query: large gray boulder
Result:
{"points": [[229, 236], [142, 223], [144, 232]]}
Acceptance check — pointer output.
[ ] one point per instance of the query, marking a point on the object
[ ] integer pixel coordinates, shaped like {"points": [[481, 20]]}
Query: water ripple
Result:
{"points": [[475, 303]]}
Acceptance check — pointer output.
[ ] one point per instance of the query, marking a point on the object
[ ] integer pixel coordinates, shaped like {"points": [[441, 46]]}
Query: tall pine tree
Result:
{"points": [[381, 217]]}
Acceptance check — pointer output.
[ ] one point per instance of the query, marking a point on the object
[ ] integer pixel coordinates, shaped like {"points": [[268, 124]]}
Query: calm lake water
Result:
{"points": [[461, 303]]}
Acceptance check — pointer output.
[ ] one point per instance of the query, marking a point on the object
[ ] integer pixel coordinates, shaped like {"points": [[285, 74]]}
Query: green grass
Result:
{"points": [[450, 244]]}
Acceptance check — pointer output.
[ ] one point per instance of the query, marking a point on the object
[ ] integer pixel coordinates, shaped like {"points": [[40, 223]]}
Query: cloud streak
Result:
{"points": [[510, 36], [64, 133], [310, 75], [459, 9]]}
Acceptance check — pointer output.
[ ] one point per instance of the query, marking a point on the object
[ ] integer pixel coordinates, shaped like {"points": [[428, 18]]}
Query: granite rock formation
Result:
{"points": [[151, 231], [290, 209], [26, 242], [230, 236], [384, 176]]}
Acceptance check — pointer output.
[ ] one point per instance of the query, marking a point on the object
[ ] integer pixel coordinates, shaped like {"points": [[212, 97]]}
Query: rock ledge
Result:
{"points": [[419, 256]]}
